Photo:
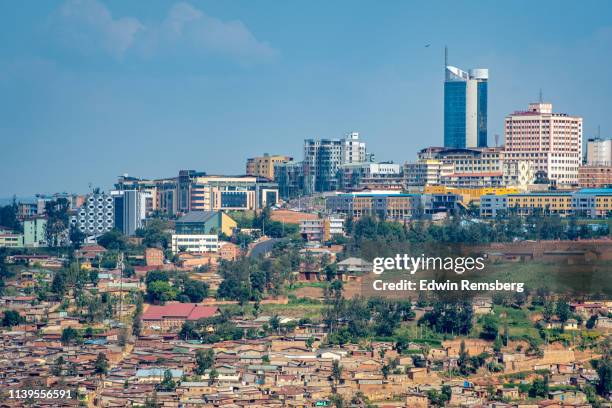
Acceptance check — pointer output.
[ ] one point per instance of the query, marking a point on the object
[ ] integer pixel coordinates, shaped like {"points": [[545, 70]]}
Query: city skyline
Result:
{"points": [[94, 89]]}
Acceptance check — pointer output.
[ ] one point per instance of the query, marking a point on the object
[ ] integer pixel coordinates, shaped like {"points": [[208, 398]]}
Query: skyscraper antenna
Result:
{"points": [[445, 57], [541, 100]]}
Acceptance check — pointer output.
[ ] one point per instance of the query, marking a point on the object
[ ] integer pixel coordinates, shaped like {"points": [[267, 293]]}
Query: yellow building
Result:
{"points": [[469, 195], [263, 166], [547, 203]]}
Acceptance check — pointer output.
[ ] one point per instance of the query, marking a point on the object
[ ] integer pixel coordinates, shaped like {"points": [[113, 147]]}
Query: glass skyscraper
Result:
{"points": [[465, 108]]}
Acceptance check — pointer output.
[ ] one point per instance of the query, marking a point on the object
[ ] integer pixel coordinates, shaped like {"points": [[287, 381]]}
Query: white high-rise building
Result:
{"points": [[323, 156], [599, 152], [551, 142]]}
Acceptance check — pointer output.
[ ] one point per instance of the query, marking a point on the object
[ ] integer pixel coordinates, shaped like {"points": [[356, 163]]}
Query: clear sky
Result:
{"points": [[91, 89]]}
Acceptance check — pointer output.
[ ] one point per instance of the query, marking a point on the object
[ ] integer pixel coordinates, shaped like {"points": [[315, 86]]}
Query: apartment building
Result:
{"points": [[552, 142], [321, 229]]}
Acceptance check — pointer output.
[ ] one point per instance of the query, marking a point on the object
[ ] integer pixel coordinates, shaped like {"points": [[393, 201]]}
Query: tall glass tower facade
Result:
{"points": [[465, 108]]}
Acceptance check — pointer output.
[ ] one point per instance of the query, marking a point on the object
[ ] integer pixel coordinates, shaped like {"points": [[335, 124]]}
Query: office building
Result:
{"points": [[470, 194], [373, 176], [551, 142], [391, 205], [384, 205], [263, 166], [592, 203], [96, 216], [599, 152], [198, 243], [130, 210], [323, 156], [456, 167], [198, 191], [161, 193], [205, 222], [465, 107]]}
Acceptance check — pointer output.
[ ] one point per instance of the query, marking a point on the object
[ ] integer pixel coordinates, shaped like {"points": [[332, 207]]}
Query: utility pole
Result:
{"points": [[120, 262]]}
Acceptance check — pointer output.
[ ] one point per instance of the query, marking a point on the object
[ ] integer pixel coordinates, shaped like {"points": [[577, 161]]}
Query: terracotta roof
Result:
{"points": [[189, 311], [202, 312]]}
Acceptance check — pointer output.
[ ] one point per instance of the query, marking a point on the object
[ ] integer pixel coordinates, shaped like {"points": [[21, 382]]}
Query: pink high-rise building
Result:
{"points": [[552, 142]]}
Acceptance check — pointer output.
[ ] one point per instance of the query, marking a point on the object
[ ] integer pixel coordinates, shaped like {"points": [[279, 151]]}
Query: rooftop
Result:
{"points": [[188, 311], [197, 216]]}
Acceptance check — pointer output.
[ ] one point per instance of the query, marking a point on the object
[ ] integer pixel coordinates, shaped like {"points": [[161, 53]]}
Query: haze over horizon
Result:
{"points": [[92, 89]]}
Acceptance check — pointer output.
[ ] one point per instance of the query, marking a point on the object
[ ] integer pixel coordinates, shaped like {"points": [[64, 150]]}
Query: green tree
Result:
{"points": [[69, 335], [436, 398], [167, 384], [58, 285], [336, 372], [195, 290], [562, 310], [539, 388], [101, 364], [212, 376], [604, 371], [113, 240], [490, 328], [8, 216], [76, 237], [58, 366], [591, 322], [137, 317], [160, 292], [204, 360], [548, 311], [57, 219], [155, 234], [12, 318]]}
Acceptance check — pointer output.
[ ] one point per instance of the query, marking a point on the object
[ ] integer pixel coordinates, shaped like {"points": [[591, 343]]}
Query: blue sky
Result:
{"points": [[91, 89]]}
